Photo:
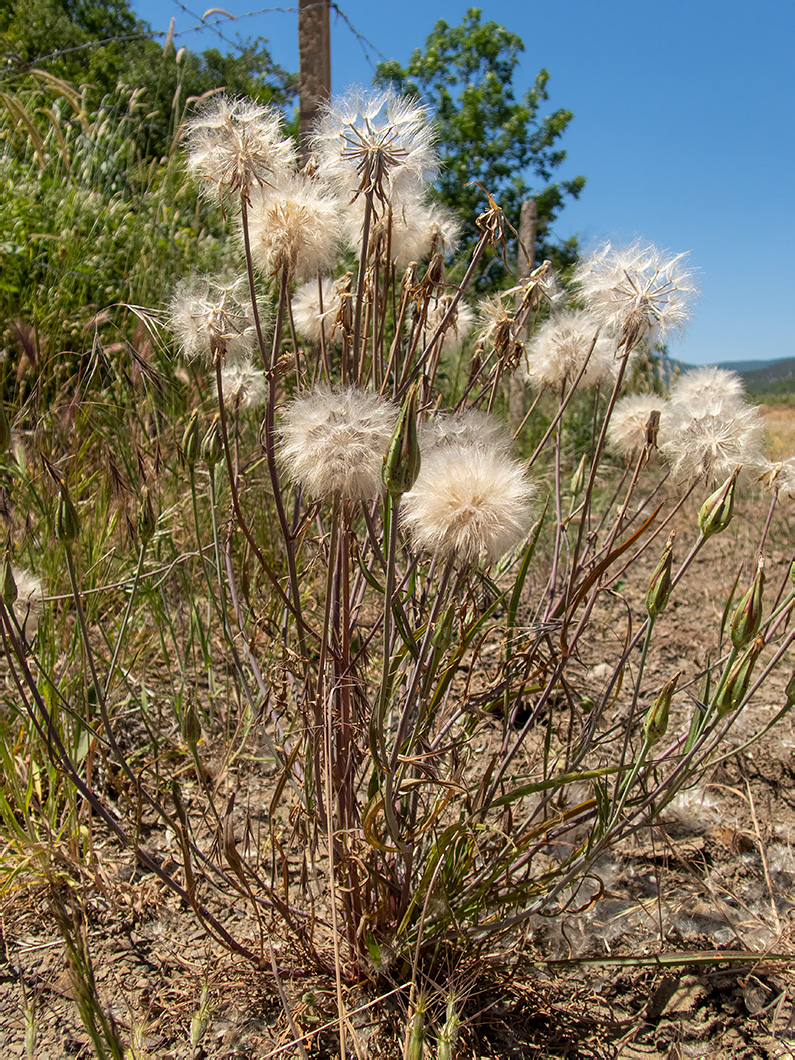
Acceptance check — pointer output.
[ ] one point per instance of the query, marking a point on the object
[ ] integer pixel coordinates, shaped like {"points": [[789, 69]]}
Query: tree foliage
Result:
{"points": [[486, 135]]}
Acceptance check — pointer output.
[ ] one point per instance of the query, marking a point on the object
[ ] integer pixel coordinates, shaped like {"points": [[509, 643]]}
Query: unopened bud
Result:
{"points": [[9, 583], [67, 522], [402, 461], [190, 440], [747, 617], [655, 723], [578, 478], [212, 446], [191, 726], [660, 585], [732, 692], [146, 523], [716, 512]]}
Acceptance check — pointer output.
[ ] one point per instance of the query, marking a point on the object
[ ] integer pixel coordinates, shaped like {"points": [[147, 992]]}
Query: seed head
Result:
{"points": [[559, 349], [711, 437], [235, 145], [778, 475], [367, 141], [628, 430], [334, 441], [309, 320], [638, 292], [470, 504], [458, 327], [243, 386], [295, 228], [211, 319], [707, 386]]}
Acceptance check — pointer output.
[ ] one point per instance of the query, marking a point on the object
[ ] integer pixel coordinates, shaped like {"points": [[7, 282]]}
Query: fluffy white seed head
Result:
{"points": [[627, 430], [368, 140], [236, 144], [639, 292], [778, 475], [28, 604], [307, 314], [243, 385], [459, 326], [559, 349], [470, 504], [334, 441], [707, 385], [294, 227], [471, 428], [212, 319], [712, 438]]}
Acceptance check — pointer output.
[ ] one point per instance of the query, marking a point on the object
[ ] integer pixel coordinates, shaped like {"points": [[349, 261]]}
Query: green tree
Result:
{"points": [[465, 74], [102, 46]]}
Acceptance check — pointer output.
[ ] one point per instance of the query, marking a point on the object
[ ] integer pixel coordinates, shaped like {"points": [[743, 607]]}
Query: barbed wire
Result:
{"points": [[200, 25]]}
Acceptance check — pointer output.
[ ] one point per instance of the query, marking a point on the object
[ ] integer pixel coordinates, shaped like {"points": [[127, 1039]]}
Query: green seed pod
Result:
{"points": [[660, 585], [578, 478], [67, 521], [732, 691], [402, 461], [790, 689], [9, 584], [213, 446], [747, 617], [190, 440], [191, 726], [716, 512], [146, 523], [655, 723]]}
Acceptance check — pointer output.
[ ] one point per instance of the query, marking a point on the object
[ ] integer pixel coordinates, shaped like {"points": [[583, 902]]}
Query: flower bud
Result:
{"points": [[212, 446], [656, 721], [67, 522], [191, 726], [578, 478], [9, 587], [660, 585], [190, 440], [146, 523], [402, 461], [732, 691], [747, 617], [716, 512]]}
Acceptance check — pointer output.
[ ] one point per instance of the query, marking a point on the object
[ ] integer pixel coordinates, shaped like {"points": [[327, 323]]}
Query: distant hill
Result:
{"points": [[760, 377]]}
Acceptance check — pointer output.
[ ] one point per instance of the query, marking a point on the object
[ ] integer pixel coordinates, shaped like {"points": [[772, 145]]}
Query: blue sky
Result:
{"points": [[683, 126]]}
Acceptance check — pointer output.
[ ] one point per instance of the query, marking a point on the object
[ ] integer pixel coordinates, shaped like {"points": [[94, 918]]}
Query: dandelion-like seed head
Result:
{"points": [[627, 431], [333, 442], [28, 605], [211, 319], [712, 440], [309, 320], [243, 386], [367, 140], [236, 144], [470, 503], [778, 475], [471, 428], [558, 351], [707, 385], [459, 326], [639, 292], [294, 228]]}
